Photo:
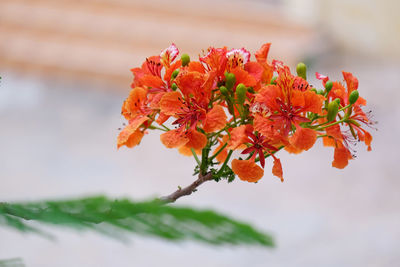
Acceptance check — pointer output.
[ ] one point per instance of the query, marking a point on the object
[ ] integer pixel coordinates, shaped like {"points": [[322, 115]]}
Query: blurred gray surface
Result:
{"points": [[58, 140]]}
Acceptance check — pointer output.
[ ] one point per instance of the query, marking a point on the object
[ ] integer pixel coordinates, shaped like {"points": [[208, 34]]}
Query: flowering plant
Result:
{"points": [[225, 102]]}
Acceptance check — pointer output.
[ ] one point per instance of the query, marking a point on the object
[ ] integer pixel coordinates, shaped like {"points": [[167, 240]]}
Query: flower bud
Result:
{"points": [[320, 92], [337, 100], [301, 70], [174, 86], [230, 80], [241, 93], [185, 59], [224, 90], [353, 97], [333, 109], [328, 86], [174, 74], [273, 80]]}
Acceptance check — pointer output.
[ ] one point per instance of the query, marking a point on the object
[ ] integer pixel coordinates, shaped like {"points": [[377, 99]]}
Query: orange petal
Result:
{"points": [[197, 140], [196, 66], [351, 81], [190, 82], [303, 138], [341, 157], [268, 95], [263, 125], [162, 118], [130, 136], [238, 137], [297, 98], [277, 169], [244, 77], [247, 170], [134, 101], [187, 151], [255, 69], [174, 138], [215, 119], [170, 103], [368, 140], [313, 102], [168, 73], [292, 149], [262, 54], [151, 81]]}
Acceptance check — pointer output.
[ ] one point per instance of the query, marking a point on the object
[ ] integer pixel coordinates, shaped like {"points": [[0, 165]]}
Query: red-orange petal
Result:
{"points": [[174, 138], [215, 119], [238, 137], [303, 138], [244, 77], [151, 81], [170, 103], [132, 104], [277, 169], [341, 157], [130, 136], [247, 170], [196, 66], [262, 54], [197, 140]]}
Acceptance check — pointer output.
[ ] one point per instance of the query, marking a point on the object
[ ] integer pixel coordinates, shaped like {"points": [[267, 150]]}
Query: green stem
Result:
{"points": [[165, 127], [225, 162], [219, 151], [195, 156], [157, 128], [329, 125]]}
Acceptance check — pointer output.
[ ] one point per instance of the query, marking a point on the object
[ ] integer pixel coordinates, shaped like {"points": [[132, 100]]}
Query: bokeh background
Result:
{"points": [[65, 72]]}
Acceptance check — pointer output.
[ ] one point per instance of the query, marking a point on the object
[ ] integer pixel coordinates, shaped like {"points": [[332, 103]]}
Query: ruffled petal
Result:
{"points": [[171, 104], [247, 170], [277, 169], [341, 157], [303, 138], [131, 136], [174, 138], [215, 119]]}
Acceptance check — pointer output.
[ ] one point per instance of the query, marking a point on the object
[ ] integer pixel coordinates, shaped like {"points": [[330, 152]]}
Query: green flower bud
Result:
{"points": [[313, 90], [185, 59], [241, 93], [320, 92], [224, 90], [337, 100], [230, 80], [174, 74], [328, 86], [333, 109], [353, 97], [174, 86], [301, 70], [273, 80]]}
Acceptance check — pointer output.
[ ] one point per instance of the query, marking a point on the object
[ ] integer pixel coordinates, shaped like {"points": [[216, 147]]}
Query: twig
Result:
{"points": [[187, 190]]}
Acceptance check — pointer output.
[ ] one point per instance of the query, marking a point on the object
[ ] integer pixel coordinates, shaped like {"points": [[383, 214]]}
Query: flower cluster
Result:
{"points": [[225, 102]]}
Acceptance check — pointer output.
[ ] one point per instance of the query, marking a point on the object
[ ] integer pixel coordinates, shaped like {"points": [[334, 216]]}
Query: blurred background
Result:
{"points": [[65, 68]]}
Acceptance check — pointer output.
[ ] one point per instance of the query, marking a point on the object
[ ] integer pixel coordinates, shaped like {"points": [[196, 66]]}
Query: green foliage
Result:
{"points": [[15, 262], [115, 217]]}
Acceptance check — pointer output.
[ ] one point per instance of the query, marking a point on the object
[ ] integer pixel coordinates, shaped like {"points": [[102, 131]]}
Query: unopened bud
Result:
{"points": [[175, 73], [337, 100], [301, 70], [241, 93], [328, 86], [273, 80], [353, 97], [333, 109], [230, 80], [185, 59], [174, 86], [224, 90], [320, 92]]}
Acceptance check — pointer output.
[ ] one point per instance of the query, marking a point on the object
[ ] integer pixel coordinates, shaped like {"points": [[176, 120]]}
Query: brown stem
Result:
{"points": [[187, 190]]}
